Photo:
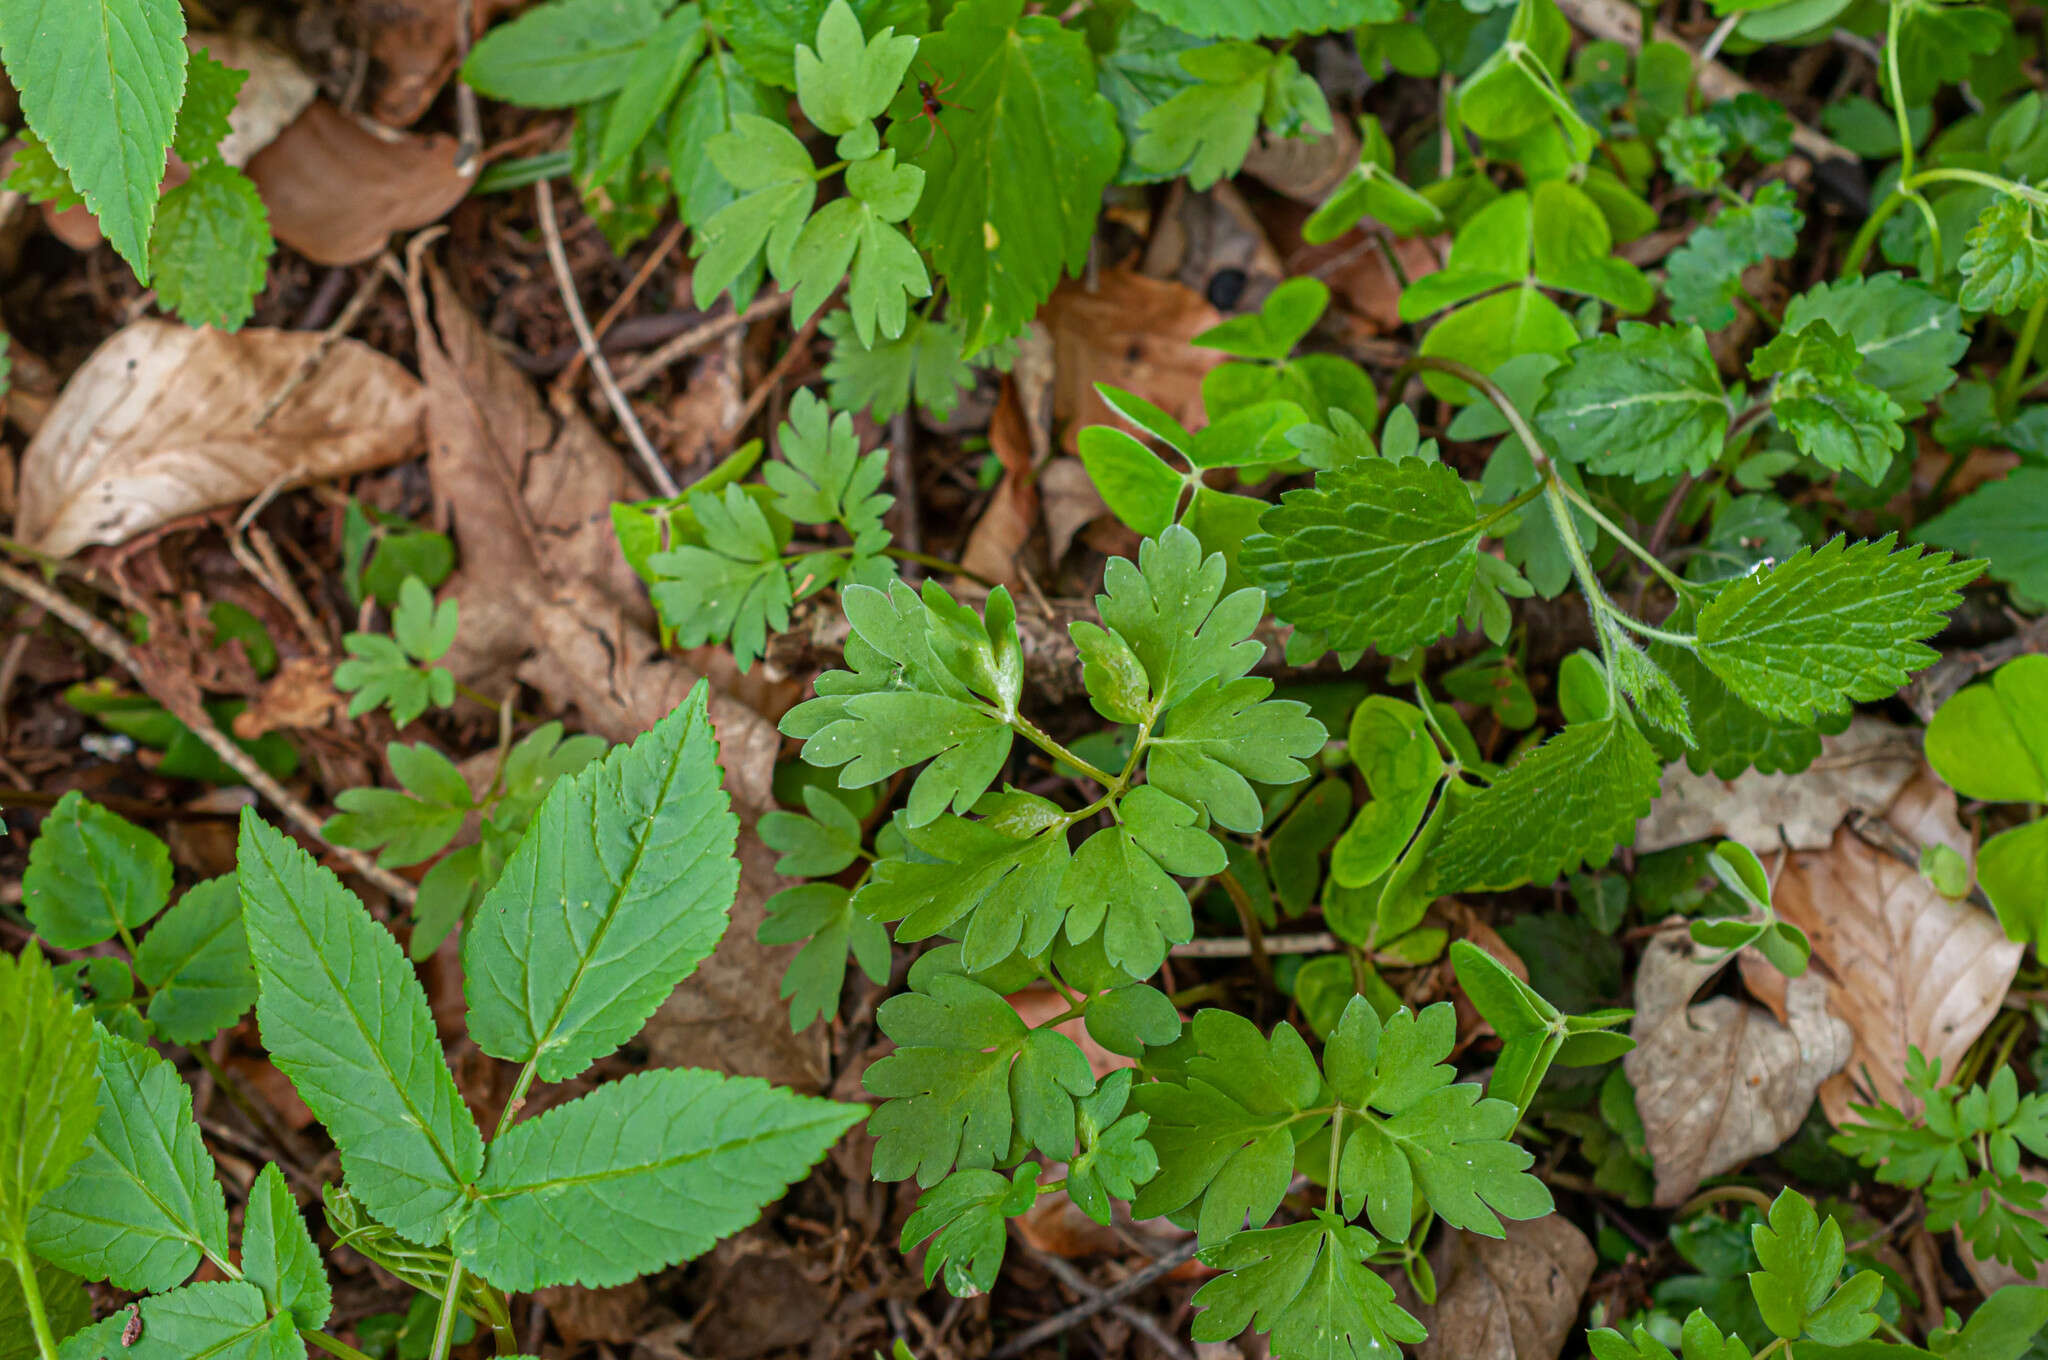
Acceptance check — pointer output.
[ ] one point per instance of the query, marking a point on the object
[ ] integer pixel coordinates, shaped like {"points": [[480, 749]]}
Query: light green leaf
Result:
{"points": [[618, 890], [641, 1173], [1834, 416], [91, 873], [1135, 483], [49, 1087], [1704, 276], [563, 53], [776, 184], [346, 1019], [1309, 1285], [1205, 130], [1515, 92], [37, 175], [1488, 333], [650, 86], [1115, 1159], [1802, 1255], [1268, 18], [215, 1321], [1990, 740], [924, 364], [847, 79], [735, 587], [212, 248], [1221, 739], [2005, 262], [822, 918], [211, 91], [1646, 401], [716, 94], [196, 961], [855, 233], [1831, 626], [765, 36], [143, 1206], [1114, 886], [278, 1255], [100, 84]]}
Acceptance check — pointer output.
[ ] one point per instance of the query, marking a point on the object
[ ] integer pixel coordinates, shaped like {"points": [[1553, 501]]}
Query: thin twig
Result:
{"points": [[1089, 1290], [329, 338], [180, 696], [658, 475], [697, 337], [1239, 946], [799, 348], [1067, 1319], [574, 368], [469, 142]]}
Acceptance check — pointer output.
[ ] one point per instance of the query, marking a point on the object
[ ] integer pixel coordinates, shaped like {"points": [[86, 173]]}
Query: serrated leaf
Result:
{"points": [[1802, 1255], [1378, 554], [1831, 626], [1213, 745], [1646, 402], [66, 1309], [100, 83], [963, 1215], [618, 890], [563, 53], [1703, 277], [196, 961], [217, 1321], [2005, 258], [1268, 18], [1728, 735], [640, 1173], [1308, 1284], [278, 1255], [345, 1018], [92, 873], [1014, 186], [1570, 801], [2004, 522], [143, 1206], [49, 1087], [211, 91], [1833, 416], [1908, 336], [37, 175]]}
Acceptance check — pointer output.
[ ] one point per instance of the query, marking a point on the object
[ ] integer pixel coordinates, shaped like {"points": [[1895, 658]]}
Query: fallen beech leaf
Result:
{"points": [[1131, 332], [161, 422], [1515, 1298], [337, 187], [1723, 1081], [1860, 770], [1903, 964], [1005, 526], [1069, 501]]}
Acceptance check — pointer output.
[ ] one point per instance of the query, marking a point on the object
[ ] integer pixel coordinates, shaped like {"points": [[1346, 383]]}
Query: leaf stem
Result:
{"points": [[1686, 640], [2022, 355], [518, 1097], [444, 1326], [1501, 512], [32, 1295], [1648, 558], [1043, 740], [341, 1350], [1898, 91]]}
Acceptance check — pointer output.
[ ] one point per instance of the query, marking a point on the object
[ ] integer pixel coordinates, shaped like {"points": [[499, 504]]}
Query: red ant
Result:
{"points": [[929, 94]]}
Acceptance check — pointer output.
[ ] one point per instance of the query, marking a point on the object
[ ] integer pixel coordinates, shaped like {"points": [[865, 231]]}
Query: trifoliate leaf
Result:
{"points": [[412, 825], [1831, 626], [618, 890], [967, 1076], [2005, 260], [994, 892], [855, 234], [1377, 554], [563, 53], [1834, 416], [1908, 335], [143, 1206], [846, 78], [221, 1321], [1171, 608], [2005, 522], [821, 917], [1014, 186], [1211, 748], [963, 1216], [100, 84], [1703, 277], [1570, 801], [1268, 18], [1372, 189], [1114, 1159], [1646, 401], [924, 364], [1307, 1284], [776, 184], [765, 37], [92, 873], [278, 1255], [1515, 92], [641, 1173], [1801, 1255], [49, 1086], [211, 91], [344, 1017], [196, 962]]}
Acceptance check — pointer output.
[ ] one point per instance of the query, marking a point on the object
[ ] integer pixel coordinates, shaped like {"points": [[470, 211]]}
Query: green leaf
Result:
{"points": [[1908, 336], [2005, 522], [855, 234], [1205, 130], [641, 1173], [563, 53], [1377, 554], [196, 961], [218, 1321], [212, 248], [100, 83], [963, 1216], [1691, 149], [713, 97], [814, 846], [822, 918], [765, 34], [49, 1087], [824, 478], [37, 175], [278, 1255], [345, 1018], [1135, 483], [1570, 801], [1646, 402], [1309, 1285], [1834, 416], [1515, 92], [211, 91], [66, 1309], [1117, 887], [996, 893], [1830, 626], [143, 1206], [618, 890], [1728, 735], [1704, 276], [776, 184], [925, 363], [379, 674], [92, 873], [1114, 1159], [1373, 189], [2005, 262], [1014, 187], [1213, 745], [847, 79], [1989, 741], [1137, 69], [735, 587], [1801, 1255], [1268, 18], [412, 826], [650, 86]]}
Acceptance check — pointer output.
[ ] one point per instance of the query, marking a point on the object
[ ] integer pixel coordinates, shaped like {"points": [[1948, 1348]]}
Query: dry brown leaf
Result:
{"points": [[337, 187], [1515, 1298], [1213, 243], [276, 92], [161, 422], [1005, 526], [1860, 770], [413, 44], [301, 694], [1068, 499], [1305, 169], [1903, 964], [1723, 1081], [1131, 332]]}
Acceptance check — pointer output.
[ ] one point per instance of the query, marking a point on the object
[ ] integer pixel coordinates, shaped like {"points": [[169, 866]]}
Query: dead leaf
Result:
{"points": [[1069, 501], [1305, 169], [584, 1315], [161, 422], [413, 44], [1723, 1081], [1005, 526], [1131, 332], [1515, 1298], [760, 1299], [1862, 769], [1213, 243], [337, 187], [1903, 964], [301, 694]]}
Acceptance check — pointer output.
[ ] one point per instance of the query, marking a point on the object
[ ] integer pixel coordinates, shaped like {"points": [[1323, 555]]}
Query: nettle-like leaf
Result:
{"points": [[278, 1255], [221, 1321], [100, 83], [1728, 735], [618, 890], [49, 1087], [1570, 801], [1703, 277], [1834, 416], [1307, 1284], [346, 1019], [1646, 402], [92, 873], [1908, 336], [211, 248], [1830, 626], [2005, 260], [641, 1173], [1377, 554]]}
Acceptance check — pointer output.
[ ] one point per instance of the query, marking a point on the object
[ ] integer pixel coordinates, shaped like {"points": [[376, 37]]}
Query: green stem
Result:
{"points": [[444, 1326], [1596, 598], [501, 1321], [1043, 740], [2022, 356], [518, 1098], [341, 1350], [1866, 235], [1501, 512], [1648, 558], [1898, 91], [1634, 625], [32, 1295]]}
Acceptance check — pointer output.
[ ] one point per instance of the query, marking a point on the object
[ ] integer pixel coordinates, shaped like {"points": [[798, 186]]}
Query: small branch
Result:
{"points": [[799, 349], [690, 341], [1242, 946], [180, 696], [658, 475], [1065, 1321], [1089, 1292]]}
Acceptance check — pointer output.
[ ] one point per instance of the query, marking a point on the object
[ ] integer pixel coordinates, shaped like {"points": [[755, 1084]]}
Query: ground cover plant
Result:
{"points": [[1346, 669]]}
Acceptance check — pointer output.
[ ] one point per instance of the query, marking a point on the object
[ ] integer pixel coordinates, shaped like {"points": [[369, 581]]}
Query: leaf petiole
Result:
{"points": [[1648, 558], [444, 1326], [32, 1296]]}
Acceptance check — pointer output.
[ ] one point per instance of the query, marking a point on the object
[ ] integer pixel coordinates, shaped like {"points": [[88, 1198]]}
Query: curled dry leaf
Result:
{"points": [[1723, 1081], [1069, 501], [1515, 1298], [1904, 966], [337, 187], [161, 421], [1860, 770], [1131, 332], [1005, 526], [301, 694]]}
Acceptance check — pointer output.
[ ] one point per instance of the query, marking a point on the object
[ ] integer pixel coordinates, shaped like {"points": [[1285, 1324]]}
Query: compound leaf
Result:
{"points": [[1268, 18], [1221, 739], [1802, 1256], [2005, 262], [963, 1215], [1834, 416], [1703, 277], [994, 892], [1308, 1284], [1908, 336]]}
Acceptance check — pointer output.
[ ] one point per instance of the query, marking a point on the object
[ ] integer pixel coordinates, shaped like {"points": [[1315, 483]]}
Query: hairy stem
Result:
{"points": [[1644, 555]]}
